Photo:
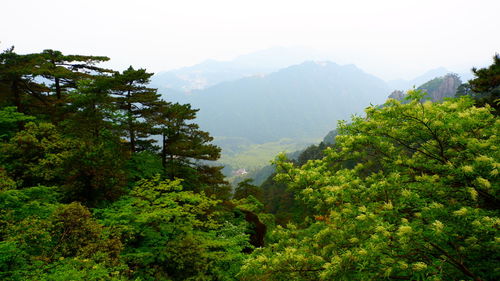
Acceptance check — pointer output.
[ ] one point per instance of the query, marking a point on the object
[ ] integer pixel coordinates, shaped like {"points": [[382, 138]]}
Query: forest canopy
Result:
{"points": [[103, 179]]}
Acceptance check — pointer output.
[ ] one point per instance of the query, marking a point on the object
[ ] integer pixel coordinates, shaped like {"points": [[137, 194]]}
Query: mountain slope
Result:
{"points": [[436, 89], [212, 72], [301, 101]]}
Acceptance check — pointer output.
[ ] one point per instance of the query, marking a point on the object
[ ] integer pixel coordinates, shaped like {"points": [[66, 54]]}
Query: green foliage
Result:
{"points": [[36, 155], [95, 172], [91, 109], [93, 137], [143, 165], [255, 156], [174, 234], [6, 182], [78, 234], [17, 205], [10, 120], [40, 154], [485, 87], [21, 75], [43, 239], [421, 202], [81, 269], [136, 101], [246, 188], [282, 202], [186, 149], [409, 192]]}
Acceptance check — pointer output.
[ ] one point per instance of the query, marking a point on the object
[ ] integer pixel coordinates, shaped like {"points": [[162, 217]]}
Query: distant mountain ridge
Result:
{"points": [[304, 100], [212, 72], [401, 84], [260, 101]]}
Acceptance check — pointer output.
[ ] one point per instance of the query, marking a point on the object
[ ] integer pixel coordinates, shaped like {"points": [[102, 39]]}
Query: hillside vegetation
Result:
{"points": [[409, 191]]}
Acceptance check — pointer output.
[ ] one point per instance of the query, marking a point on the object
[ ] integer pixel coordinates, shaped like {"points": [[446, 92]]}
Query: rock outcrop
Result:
{"points": [[437, 89], [442, 87], [397, 94]]}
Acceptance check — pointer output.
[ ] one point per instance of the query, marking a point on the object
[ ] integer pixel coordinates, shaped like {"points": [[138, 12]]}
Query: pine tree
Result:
{"points": [[21, 76], [136, 101], [17, 84], [486, 85], [186, 149]]}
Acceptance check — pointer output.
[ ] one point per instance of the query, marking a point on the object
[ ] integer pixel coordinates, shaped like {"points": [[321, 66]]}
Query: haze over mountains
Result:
{"points": [[401, 84], [212, 72], [276, 94], [300, 101]]}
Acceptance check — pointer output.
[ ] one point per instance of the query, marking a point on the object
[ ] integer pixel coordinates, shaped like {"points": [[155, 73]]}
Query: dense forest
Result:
{"points": [[102, 179]]}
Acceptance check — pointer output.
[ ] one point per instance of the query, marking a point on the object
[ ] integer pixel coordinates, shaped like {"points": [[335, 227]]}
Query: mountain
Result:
{"points": [[437, 89], [401, 84], [212, 72], [300, 101], [205, 74], [442, 87]]}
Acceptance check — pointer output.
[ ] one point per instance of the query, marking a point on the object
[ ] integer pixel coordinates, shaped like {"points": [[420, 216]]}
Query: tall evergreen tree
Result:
{"points": [[185, 148], [65, 70], [91, 109], [17, 84], [136, 101], [39, 83], [486, 84], [485, 87]]}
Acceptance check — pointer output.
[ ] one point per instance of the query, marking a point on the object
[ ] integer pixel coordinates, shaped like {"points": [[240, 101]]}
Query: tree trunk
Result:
{"points": [[131, 134], [17, 96], [58, 89], [172, 167], [163, 152]]}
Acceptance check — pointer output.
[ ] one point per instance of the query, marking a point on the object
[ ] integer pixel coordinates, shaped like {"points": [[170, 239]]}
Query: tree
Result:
{"points": [[420, 203], [186, 149], [173, 234], [91, 110], [137, 102], [10, 120], [21, 76], [90, 172], [487, 80], [95, 172], [66, 70], [43, 239], [485, 87], [37, 155], [245, 188], [17, 81]]}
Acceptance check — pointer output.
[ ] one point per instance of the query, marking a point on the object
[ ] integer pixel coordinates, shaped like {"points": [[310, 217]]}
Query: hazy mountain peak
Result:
{"points": [[322, 63], [401, 84], [302, 100], [436, 88], [280, 57], [211, 72]]}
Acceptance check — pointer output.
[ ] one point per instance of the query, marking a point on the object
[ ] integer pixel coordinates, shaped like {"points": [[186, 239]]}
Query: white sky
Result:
{"points": [[391, 39]]}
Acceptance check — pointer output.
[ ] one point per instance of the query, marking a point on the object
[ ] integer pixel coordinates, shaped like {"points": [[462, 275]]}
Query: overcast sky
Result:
{"points": [[391, 39]]}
